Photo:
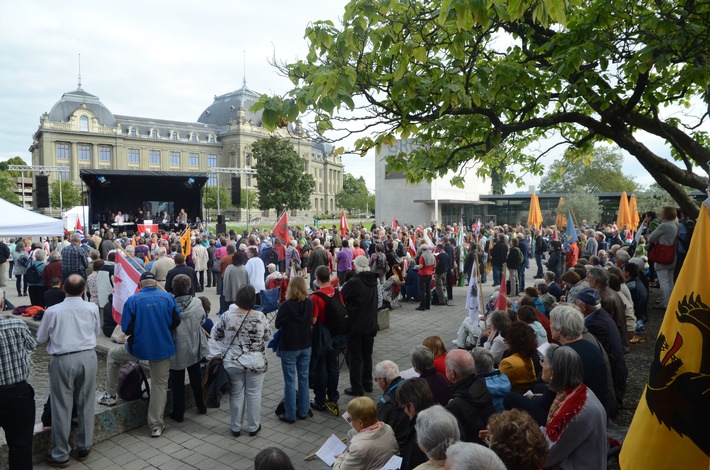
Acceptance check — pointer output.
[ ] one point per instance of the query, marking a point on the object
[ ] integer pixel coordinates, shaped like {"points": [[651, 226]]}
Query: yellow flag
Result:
{"points": [[670, 426], [186, 243]]}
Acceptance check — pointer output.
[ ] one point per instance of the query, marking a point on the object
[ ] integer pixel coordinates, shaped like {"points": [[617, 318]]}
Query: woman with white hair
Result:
{"points": [[437, 430], [470, 456]]}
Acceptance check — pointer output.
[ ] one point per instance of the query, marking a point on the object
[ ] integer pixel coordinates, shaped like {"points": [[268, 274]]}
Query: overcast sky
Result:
{"points": [[156, 59]]}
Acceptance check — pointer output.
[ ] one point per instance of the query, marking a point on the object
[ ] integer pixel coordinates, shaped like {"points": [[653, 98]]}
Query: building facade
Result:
{"points": [[81, 133], [425, 202]]}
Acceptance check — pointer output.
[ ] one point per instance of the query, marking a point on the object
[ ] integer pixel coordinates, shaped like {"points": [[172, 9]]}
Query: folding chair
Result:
{"points": [[269, 301]]}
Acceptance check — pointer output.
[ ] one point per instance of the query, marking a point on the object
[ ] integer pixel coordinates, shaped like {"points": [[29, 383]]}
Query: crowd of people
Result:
{"points": [[532, 384]]}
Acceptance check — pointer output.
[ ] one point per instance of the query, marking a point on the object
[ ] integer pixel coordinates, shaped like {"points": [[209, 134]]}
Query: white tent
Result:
{"points": [[72, 215], [18, 222]]}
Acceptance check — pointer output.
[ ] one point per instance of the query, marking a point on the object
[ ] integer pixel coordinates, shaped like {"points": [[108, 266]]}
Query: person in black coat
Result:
{"points": [[413, 396], [181, 268], [423, 363], [360, 298], [389, 411], [556, 260], [471, 402], [553, 288]]}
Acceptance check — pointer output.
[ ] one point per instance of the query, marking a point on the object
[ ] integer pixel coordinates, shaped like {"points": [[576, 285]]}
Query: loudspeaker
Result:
{"points": [[220, 219], [41, 191], [222, 228], [236, 191]]}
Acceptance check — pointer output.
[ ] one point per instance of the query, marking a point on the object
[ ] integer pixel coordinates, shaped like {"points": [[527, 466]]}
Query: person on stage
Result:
{"points": [[119, 219]]}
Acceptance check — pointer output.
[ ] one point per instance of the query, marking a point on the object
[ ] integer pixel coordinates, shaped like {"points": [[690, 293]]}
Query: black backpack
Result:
{"points": [[132, 383], [32, 275], [336, 314], [23, 260], [272, 257]]}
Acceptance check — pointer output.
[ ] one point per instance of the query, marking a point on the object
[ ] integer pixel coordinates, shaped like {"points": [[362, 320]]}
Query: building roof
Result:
{"points": [[226, 107], [72, 100], [164, 127]]}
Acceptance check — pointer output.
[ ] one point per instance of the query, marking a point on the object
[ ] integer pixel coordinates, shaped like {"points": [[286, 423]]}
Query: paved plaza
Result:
{"points": [[205, 441]]}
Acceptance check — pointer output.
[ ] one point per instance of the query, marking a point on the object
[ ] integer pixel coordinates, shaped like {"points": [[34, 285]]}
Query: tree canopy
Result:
{"points": [[70, 195], [209, 197], [281, 180], [13, 161], [588, 170], [477, 81], [7, 188], [582, 205], [354, 197]]}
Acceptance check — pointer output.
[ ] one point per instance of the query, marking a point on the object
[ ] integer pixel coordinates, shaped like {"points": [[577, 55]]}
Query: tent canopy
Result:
{"points": [[19, 222]]}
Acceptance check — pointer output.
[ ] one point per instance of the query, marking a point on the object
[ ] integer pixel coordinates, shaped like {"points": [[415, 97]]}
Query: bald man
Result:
{"points": [[471, 402]]}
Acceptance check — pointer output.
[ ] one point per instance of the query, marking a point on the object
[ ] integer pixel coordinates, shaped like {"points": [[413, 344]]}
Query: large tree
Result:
{"points": [[7, 188], [209, 197], [281, 181], [354, 197], [589, 170], [70, 195], [14, 161], [473, 79]]}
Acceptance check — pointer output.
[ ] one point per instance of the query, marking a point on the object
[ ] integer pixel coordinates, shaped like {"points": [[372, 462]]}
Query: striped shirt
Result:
{"points": [[15, 343]]}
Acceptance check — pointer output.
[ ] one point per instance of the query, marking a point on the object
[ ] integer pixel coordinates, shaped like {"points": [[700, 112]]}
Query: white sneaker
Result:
{"points": [[107, 400], [455, 342], [157, 432]]}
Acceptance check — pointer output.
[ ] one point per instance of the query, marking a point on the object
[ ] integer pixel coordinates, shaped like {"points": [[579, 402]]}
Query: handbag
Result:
{"points": [[662, 254], [215, 382]]}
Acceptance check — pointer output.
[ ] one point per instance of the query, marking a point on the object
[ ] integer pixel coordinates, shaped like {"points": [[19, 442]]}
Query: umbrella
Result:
{"points": [[634, 211], [624, 217], [535, 214], [561, 220]]}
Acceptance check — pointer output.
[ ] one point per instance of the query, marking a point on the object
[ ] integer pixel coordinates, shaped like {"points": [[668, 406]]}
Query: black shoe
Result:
{"points": [[254, 433], [178, 419], [286, 420], [236, 433], [82, 454], [420, 309], [353, 393], [368, 389], [318, 407]]}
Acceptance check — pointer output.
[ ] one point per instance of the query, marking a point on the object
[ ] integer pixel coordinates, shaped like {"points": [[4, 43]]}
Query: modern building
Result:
{"points": [[425, 202], [81, 133]]}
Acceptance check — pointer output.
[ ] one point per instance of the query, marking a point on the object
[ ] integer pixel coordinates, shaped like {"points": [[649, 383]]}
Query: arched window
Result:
{"points": [[193, 137], [211, 139], [153, 134], [174, 135], [133, 132], [84, 123]]}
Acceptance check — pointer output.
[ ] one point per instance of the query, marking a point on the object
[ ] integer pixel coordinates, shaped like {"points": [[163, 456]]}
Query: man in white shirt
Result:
{"points": [[70, 329], [120, 219]]}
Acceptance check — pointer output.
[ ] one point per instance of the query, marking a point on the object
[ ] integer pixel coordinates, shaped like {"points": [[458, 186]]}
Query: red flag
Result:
{"points": [[394, 223], [502, 300], [280, 229], [78, 228], [126, 282], [343, 224], [412, 247]]}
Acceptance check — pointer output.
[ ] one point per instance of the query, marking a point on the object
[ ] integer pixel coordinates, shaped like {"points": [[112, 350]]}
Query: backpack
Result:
{"points": [[521, 256], [381, 262], [401, 250], [132, 383], [23, 260], [336, 315], [32, 275], [272, 257]]}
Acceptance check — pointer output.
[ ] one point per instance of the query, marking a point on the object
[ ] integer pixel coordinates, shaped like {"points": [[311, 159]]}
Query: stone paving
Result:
{"points": [[205, 441]]}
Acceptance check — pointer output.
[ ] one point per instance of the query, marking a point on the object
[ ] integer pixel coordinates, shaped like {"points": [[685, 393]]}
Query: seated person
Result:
{"points": [[423, 364], [517, 439], [371, 442], [388, 410], [497, 382]]}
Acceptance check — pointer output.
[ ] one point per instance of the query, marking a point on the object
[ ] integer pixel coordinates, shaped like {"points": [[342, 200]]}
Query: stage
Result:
{"points": [[130, 192]]}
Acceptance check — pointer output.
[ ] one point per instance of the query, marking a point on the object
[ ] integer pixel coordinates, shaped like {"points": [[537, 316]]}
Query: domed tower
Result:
{"points": [[231, 107]]}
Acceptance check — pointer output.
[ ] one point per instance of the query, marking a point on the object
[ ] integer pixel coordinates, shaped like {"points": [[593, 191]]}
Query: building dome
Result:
{"points": [[73, 100], [226, 107]]}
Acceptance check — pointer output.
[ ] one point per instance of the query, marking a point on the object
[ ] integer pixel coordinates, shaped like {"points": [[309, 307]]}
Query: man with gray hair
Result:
{"points": [[567, 326], [471, 401], [74, 260], [468, 456], [389, 411], [611, 302], [497, 382], [601, 325], [423, 363], [436, 430], [162, 266], [622, 257]]}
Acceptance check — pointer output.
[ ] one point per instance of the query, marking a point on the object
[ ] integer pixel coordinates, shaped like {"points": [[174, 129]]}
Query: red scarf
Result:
{"points": [[566, 406]]}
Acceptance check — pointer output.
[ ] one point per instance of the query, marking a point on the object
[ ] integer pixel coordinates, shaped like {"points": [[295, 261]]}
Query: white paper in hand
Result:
{"points": [[395, 463], [330, 449]]}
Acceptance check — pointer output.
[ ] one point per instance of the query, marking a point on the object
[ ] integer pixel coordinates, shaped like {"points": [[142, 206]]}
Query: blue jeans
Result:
{"points": [[296, 363], [521, 277], [538, 260], [497, 275]]}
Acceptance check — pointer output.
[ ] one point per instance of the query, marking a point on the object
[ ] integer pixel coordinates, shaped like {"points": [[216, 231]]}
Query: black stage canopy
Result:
{"points": [[113, 190]]}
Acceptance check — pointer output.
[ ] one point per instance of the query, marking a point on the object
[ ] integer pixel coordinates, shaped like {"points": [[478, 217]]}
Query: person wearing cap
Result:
{"points": [[602, 326], [149, 318]]}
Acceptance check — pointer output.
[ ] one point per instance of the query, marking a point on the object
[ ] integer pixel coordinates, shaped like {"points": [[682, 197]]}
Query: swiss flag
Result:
{"points": [[281, 229]]}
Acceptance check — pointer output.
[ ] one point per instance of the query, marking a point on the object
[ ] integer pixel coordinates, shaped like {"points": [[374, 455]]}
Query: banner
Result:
{"points": [[571, 232], [669, 429], [395, 224], [186, 243], [126, 282], [344, 229], [473, 295], [281, 229]]}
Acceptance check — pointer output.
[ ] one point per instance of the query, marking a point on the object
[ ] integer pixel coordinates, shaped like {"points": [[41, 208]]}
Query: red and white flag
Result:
{"points": [[78, 229], [344, 229], [395, 224], [502, 300], [281, 229], [126, 282], [412, 246]]}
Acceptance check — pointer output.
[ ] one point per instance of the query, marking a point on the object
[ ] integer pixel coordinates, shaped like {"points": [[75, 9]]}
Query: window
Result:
{"points": [[194, 159], [134, 156], [83, 123], [84, 152], [211, 160], [155, 157], [175, 158], [153, 134], [247, 159], [193, 137], [174, 135], [211, 139], [62, 151], [105, 154], [133, 132], [212, 180]]}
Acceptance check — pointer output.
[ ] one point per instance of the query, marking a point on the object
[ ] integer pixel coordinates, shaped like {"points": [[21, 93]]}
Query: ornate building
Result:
{"points": [[80, 132]]}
